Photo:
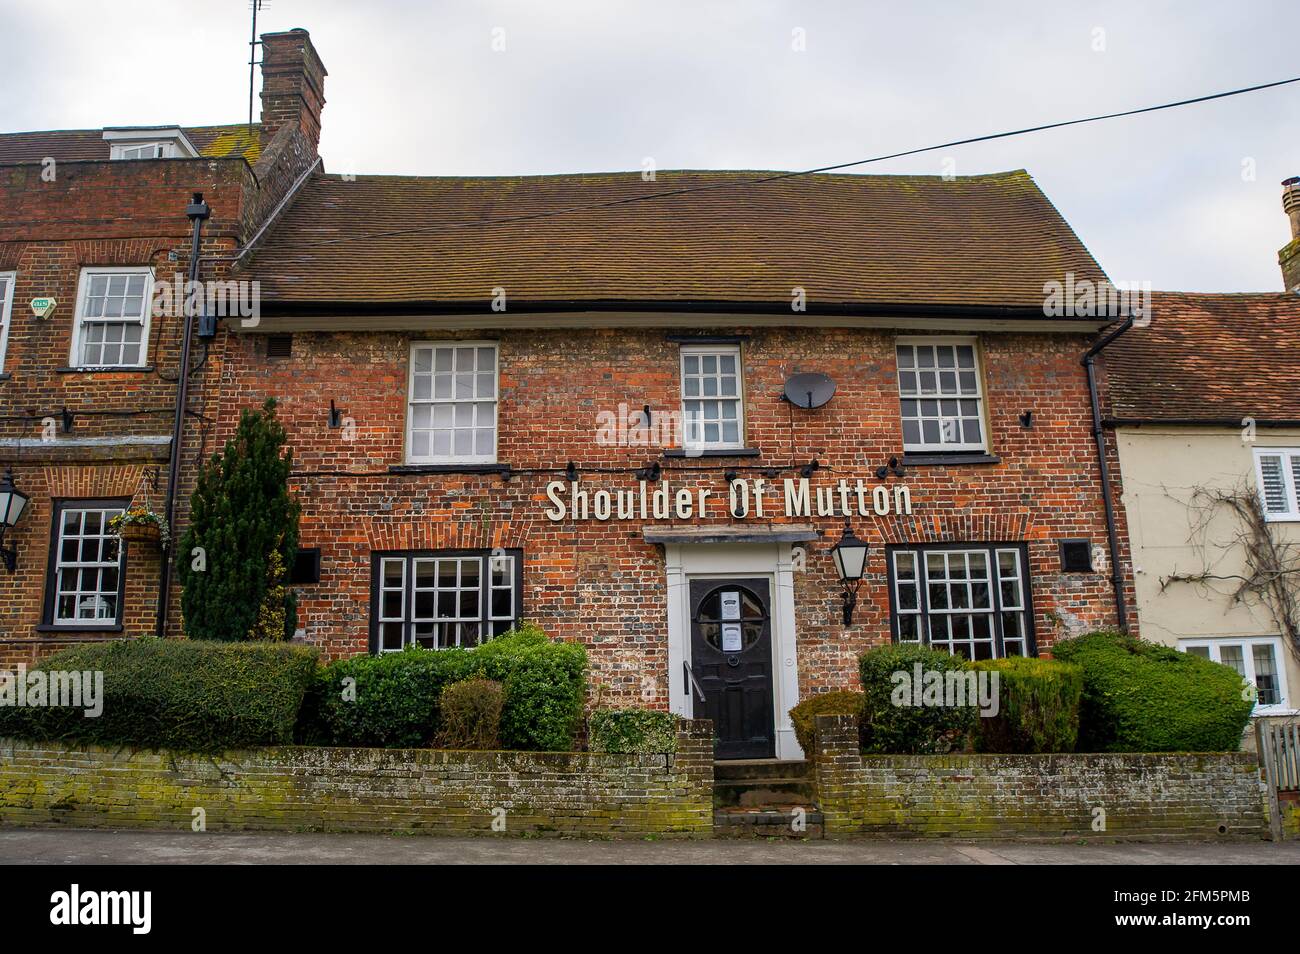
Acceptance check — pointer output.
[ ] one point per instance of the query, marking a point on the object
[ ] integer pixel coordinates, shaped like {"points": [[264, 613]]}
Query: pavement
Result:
{"points": [[66, 846]]}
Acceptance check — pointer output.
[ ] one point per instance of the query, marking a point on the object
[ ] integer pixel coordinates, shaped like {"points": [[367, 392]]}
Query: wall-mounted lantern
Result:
{"points": [[850, 556], [12, 504]]}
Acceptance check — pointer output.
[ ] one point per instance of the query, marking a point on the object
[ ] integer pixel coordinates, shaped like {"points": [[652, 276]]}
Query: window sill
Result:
{"points": [[715, 452], [77, 630], [5, 375], [142, 369], [449, 469], [951, 460]]}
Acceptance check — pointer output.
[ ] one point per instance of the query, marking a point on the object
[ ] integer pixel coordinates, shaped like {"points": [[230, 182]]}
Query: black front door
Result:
{"points": [[731, 656]]}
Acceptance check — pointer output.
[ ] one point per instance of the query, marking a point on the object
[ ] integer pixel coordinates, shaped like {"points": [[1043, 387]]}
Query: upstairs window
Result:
{"points": [[7, 280], [712, 413], [112, 323], [149, 142], [1278, 472], [452, 403], [148, 150], [940, 395]]}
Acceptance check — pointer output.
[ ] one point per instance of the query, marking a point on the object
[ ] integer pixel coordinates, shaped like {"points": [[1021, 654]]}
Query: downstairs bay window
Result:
{"points": [[971, 600], [443, 598]]}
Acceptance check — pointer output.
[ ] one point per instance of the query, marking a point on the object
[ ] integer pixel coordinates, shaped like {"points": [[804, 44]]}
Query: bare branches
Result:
{"points": [[1272, 568]]}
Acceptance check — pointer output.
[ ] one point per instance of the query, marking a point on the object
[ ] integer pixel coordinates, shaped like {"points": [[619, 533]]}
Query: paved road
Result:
{"points": [[71, 846]]}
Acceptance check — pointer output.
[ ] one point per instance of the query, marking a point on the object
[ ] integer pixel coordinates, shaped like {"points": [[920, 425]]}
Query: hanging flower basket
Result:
{"points": [[139, 525]]}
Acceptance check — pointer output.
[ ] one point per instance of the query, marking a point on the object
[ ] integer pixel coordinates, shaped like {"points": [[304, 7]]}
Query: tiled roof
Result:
{"points": [[990, 240], [1210, 357], [218, 142]]}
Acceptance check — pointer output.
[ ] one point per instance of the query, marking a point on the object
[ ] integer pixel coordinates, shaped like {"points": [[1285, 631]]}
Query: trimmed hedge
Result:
{"points": [[391, 700], [470, 715], [837, 702], [1142, 697], [1038, 706], [910, 729], [632, 730], [182, 694]]}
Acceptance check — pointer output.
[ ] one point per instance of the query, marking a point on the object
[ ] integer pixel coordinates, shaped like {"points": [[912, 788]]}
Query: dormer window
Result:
{"points": [[149, 142]]}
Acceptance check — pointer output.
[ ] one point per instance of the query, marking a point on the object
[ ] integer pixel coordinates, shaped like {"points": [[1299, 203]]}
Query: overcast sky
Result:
{"points": [[1186, 199]]}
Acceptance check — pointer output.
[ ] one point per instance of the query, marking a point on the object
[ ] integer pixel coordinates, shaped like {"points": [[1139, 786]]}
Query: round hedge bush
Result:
{"points": [[1143, 697], [837, 702], [1038, 706], [910, 729]]}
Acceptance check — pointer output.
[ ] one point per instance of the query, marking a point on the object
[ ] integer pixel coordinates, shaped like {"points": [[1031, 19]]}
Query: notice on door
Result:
{"points": [[731, 639], [731, 604]]}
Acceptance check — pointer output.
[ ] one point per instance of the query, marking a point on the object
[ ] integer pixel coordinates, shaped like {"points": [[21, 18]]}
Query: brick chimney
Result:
{"points": [[1289, 256], [293, 85]]}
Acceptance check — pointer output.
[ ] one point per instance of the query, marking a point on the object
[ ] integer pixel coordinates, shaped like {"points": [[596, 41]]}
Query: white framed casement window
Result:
{"points": [[143, 150], [1258, 660], [7, 282], [452, 403], [1277, 469], [941, 395], [713, 414], [86, 575], [111, 327], [438, 599]]}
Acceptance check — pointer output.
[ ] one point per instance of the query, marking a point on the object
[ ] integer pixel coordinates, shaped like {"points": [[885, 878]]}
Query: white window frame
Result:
{"points": [[79, 321], [1290, 464], [489, 562], [10, 279], [161, 150], [411, 402], [716, 350], [979, 397], [1214, 644], [60, 565]]}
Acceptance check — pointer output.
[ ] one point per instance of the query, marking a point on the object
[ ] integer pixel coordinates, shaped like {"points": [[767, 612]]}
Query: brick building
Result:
{"points": [[505, 399], [501, 413], [96, 220]]}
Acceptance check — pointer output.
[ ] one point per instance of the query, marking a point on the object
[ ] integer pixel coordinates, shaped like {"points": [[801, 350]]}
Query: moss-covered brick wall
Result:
{"points": [[352, 789], [1083, 796]]}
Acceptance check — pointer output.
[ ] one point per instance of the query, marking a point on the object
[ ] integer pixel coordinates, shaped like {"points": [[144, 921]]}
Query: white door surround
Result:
{"points": [[687, 561]]}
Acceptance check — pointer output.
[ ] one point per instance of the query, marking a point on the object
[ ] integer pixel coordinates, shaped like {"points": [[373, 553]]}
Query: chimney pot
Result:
{"points": [[293, 85], [1289, 256]]}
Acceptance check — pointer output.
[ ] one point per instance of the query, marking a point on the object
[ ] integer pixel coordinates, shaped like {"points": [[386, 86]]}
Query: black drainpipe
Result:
{"points": [[1099, 437], [198, 212]]}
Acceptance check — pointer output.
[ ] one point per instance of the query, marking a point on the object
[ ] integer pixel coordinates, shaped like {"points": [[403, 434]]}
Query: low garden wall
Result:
{"points": [[1100, 796], [359, 789]]}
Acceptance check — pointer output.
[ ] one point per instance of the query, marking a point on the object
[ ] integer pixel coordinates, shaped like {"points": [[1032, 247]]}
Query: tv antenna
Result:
{"points": [[255, 6]]}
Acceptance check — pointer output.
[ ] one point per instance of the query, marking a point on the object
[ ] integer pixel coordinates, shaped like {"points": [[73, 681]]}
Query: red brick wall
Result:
{"points": [[600, 582]]}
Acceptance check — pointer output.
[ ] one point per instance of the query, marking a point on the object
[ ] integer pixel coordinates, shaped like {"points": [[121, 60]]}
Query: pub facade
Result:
{"points": [[649, 425]]}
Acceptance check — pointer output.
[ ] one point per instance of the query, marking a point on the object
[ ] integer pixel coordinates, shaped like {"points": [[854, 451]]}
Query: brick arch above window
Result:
{"points": [[76, 481], [957, 528]]}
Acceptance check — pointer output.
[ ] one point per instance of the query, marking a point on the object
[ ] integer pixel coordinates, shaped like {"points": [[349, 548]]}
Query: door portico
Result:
{"points": [[692, 557]]}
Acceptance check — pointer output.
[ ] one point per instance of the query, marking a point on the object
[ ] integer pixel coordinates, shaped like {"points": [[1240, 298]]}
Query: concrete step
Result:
{"points": [[763, 793], [790, 821], [736, 769]]}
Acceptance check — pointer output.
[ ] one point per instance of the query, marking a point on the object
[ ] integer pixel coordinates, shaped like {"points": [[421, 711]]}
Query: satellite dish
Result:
{"points": [[809, 390]]}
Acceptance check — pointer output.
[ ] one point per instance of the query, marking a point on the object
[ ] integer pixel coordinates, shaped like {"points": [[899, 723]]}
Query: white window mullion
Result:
{"points": [[452, 403]]}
